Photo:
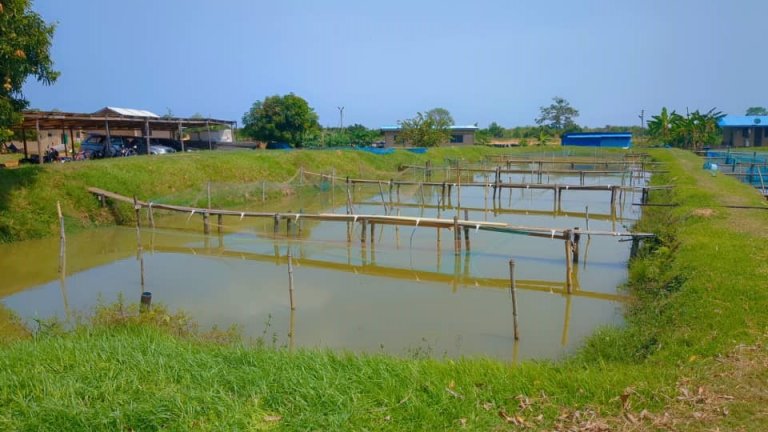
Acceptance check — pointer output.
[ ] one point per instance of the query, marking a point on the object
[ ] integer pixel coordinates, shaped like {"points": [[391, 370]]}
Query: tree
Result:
{"points": [[25, 42], [287, 118], [495, 130], [559, 115], [691, 131], [440, 116], [360, 135], [660, 127], [757, 111], [424, 131]]}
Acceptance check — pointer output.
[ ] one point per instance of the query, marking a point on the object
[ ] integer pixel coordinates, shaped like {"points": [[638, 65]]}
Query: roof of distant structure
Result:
{"points": [[111, 120], [743, 121], [127, 112], [453, 128]]}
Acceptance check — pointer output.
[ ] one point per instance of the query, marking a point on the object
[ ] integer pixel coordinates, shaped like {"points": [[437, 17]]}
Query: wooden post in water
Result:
{"points": [[442, 195], [613, 200], [220, 223], [62, 240], [383, 201], [206, 224], [513, 290], [276, 227], [575, 244], [349, 198], [363, 226], [373, 228], [290, 279], [466, 231], [586, 215], [288, 225], [568, 262], [151, 215], [136, 208], [456, 236]]}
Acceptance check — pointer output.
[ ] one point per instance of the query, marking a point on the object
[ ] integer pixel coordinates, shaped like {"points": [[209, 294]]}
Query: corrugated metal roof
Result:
{"points": [[453, 128], [587, 135], [128, 112], [743, 121]]}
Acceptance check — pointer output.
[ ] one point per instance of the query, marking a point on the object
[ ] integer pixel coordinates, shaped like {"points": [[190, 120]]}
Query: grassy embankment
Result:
{"points": [[691, 353], [28, 194]]}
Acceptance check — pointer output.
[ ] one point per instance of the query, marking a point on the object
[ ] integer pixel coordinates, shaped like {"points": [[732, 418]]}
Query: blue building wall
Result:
{"points": [[614, 140]]}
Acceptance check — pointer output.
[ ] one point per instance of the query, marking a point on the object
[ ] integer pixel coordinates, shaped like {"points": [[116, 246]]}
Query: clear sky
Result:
{"points": [[384, 60]]}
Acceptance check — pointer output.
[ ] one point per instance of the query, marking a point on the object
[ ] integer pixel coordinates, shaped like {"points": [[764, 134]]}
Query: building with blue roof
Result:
{"points": [[744, 131], [460, 135], [598, 139]]}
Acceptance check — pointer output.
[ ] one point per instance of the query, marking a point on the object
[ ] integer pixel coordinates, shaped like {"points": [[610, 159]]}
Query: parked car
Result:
{"points": [[95, 146], [140, 145]]}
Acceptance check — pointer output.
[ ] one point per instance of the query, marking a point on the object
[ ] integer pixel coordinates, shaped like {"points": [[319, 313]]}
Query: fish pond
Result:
{"points": [[405, 291]]}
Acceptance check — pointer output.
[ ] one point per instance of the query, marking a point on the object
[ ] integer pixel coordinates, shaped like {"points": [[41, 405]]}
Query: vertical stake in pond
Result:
{"points": [[513, 290], [363, 224], [383, 200], [62, 240], [568, 262], [290, 279], [586, 216], [63, 261], [456, 237], [139, 248], [575, 244], [466, 231]]}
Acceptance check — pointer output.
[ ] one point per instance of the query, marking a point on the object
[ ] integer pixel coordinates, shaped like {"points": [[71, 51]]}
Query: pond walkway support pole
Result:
{"points": [[513, 290], [290, 279], [568, 262], [62, 240], [466, 231], [575, 245], [456, 236]]}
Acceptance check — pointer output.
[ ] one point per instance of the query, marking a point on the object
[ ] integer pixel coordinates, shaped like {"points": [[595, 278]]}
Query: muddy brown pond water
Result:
{"points": [[403, 295]]}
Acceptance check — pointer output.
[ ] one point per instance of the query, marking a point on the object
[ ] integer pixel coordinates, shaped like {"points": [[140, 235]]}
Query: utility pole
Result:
{"points": [[341, 117], [642, 120]]}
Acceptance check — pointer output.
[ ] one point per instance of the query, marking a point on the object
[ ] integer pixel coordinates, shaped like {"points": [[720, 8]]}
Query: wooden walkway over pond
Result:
{"points": [[571, 236]]}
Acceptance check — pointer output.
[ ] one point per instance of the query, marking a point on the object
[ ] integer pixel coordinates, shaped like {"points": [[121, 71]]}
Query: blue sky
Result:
{"points": [[385, 60]]}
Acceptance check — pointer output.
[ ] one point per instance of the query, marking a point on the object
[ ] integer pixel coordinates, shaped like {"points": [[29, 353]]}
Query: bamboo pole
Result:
{"points": [[383, 200], [363, 224], [290, 279], [456, 236], [513, 290], [466, 231], [62, 241], [568, 263]]}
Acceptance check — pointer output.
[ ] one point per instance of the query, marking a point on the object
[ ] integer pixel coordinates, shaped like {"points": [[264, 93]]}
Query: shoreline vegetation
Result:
{"points": [[691, 356]]}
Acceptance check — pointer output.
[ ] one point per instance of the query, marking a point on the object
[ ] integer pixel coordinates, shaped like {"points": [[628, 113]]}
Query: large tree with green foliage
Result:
{"points": [[495, 130], [424, 131], [559, 115], [25, 42], [287, 118], [757, 111], [360, 135], [440, 116]]}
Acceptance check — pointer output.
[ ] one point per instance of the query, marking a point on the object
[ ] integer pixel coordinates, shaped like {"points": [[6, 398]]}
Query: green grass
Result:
{"points": [[700, 293], [28, 194]]}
